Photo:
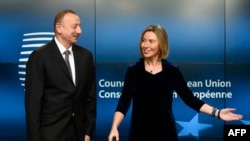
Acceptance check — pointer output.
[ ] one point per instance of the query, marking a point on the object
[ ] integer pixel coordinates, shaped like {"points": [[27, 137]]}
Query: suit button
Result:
{"points": [[73, 114]]}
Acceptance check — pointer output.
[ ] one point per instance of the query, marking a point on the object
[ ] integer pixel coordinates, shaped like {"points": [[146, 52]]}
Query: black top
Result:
{"points": [[152, 97]]}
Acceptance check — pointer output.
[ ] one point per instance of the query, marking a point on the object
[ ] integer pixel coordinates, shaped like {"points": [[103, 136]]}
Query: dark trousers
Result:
{"points": [[72, 132]]}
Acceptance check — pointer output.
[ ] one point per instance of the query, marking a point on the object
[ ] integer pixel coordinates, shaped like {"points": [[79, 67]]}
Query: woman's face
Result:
{"points": [[150, 45]]}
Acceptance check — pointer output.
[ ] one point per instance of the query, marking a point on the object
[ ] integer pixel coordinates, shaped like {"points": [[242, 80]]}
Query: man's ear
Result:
{"points": [[59, 27]]}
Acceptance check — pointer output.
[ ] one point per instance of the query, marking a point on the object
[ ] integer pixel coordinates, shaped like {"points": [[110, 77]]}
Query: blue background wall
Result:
{"points": [[209, 40]]}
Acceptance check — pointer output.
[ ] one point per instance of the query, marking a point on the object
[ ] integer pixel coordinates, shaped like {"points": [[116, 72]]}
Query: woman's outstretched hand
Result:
{"points": [[227, 114]]}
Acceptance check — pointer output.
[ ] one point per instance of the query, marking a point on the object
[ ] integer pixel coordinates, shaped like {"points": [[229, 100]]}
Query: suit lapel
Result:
{"points": [[77, 61]]}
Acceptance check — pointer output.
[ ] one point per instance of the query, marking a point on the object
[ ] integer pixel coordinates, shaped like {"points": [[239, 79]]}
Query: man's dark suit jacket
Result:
{"points": [[51, 96]]}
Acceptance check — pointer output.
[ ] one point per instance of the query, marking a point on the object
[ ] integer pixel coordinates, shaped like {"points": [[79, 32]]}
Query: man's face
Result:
{"points": [[70, 29]]}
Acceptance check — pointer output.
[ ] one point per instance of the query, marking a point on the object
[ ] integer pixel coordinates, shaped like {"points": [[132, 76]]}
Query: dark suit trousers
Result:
{"points": [[72, 132]]}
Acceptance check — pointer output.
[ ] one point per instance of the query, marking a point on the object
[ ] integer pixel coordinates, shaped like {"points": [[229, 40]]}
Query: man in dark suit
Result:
{"points": [[60, 102]]}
